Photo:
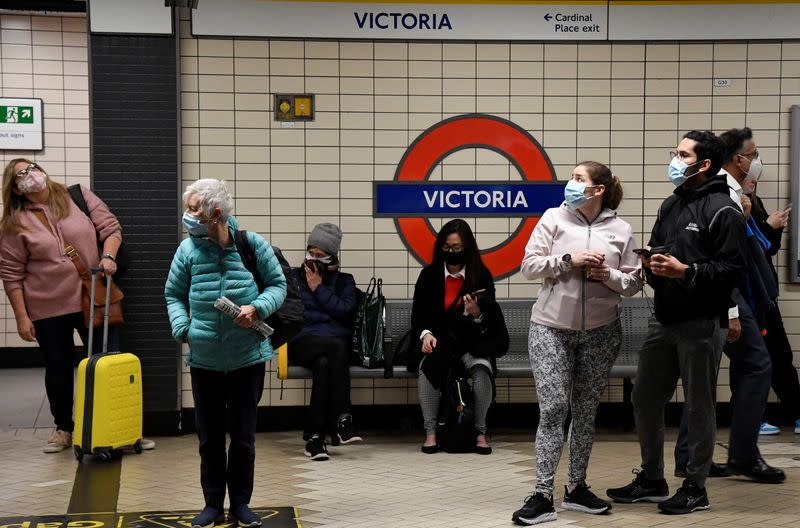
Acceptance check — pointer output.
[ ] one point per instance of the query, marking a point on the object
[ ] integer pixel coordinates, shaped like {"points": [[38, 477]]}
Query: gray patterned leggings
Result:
{"points": [[570, 368]]}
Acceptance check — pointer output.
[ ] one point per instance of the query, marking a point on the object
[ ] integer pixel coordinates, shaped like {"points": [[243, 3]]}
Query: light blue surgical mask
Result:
{"points": [[194, 226], [574, 194], [677, 171]]}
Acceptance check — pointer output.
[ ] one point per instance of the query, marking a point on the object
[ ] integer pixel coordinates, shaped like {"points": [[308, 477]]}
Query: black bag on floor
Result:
{"points": [[455, 432]]}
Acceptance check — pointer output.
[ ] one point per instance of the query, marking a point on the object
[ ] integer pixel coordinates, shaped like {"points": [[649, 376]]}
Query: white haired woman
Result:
{"points": [[226, 356]]}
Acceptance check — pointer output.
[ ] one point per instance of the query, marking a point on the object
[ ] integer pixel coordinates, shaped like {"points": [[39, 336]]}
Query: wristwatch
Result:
{"points": [[109, 257], [690, 274]]}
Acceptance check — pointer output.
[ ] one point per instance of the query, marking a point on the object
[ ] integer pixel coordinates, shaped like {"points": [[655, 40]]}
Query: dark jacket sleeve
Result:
{"points": [[773, 235], [655, 241], [727, 237], [491, 333], [339, 306], [421, 313]]}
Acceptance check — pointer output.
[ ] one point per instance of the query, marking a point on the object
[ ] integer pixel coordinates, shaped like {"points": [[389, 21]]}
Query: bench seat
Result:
{"points": [[515, 364]]}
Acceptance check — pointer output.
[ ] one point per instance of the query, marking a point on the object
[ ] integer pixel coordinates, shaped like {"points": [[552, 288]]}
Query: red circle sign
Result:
{"points": [[472, 131]]}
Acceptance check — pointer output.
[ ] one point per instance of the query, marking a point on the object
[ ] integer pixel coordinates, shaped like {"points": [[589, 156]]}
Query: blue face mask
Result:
{"points": [[193, 225], [677, 171], [574, 194]]}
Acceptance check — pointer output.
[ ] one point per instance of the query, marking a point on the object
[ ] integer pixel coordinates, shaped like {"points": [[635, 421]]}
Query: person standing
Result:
{"points": [[694, 258], [226, 356], [42, 283], [584, 253]]}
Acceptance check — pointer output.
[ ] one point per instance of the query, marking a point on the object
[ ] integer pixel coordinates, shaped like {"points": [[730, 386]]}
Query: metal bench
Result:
{"points": [[515, 364]]}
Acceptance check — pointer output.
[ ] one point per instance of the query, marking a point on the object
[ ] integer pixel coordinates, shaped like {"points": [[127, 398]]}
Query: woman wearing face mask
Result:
{"points": [[42, 284], [226, 356], [460, 326], [324, 343], [584, 253]]}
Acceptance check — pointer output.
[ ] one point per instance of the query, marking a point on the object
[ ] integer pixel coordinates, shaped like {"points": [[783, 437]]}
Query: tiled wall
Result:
{"points": [[625, 104], [46, 57]]}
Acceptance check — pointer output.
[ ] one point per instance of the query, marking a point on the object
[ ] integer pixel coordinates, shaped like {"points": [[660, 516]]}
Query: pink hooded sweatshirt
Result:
{"points": [[34, 259], [567, 299]]}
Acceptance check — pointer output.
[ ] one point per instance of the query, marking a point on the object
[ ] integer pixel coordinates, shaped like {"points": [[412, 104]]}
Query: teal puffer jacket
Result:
{"points": [[201, 272]]}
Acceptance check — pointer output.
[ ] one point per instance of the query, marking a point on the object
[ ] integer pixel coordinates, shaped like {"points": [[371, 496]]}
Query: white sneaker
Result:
{"points": [[768, 429], [147, 444], [58, 441]]}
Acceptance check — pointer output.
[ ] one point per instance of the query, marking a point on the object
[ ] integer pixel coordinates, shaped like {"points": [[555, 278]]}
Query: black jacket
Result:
{"points": [[455, 332], [760, 214], [703, 228]]}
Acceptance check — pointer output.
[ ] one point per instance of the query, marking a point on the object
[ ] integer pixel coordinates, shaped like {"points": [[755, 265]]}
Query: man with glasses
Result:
{"points": [[750, 365], [692, 261]]}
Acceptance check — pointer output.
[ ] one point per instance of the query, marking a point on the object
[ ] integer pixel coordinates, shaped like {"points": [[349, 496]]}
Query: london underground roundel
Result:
{"points": [[411, 199]]}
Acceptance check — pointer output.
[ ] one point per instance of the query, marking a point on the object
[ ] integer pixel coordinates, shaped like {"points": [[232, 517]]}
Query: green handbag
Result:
{"points": [[370, 326]]}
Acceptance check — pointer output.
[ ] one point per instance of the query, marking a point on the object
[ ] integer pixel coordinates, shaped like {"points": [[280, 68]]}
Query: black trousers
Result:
{"points": [[750, 374], [329, 361], [784, 374], [227, 401], [55, 337]]}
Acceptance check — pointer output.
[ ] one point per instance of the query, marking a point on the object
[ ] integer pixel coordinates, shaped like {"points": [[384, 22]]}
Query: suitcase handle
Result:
{"points": [[96, 271]]}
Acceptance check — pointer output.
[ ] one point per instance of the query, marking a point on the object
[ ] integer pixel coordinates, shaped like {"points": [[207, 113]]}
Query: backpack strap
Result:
{"points": [[247, 255], [77, 196]]}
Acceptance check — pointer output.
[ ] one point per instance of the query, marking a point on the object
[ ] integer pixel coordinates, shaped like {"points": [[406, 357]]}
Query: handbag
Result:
{"points": [[370, 326], [455, 430], [115, 304]]}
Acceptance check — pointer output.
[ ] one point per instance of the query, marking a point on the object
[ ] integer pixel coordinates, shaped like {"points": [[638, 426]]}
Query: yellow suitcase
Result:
{"points": [[108, 403]]}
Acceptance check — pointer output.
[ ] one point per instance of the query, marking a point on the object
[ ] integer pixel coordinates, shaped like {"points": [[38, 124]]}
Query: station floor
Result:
{"points": [[383, 482]]}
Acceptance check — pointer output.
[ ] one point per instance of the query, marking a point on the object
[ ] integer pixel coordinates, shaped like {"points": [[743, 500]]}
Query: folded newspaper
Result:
{"points": [[228, 307]]}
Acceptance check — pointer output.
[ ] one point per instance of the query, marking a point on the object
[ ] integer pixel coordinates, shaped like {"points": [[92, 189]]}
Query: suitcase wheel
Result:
{"points": [[78, 453], [137, 447], [104, 455]]}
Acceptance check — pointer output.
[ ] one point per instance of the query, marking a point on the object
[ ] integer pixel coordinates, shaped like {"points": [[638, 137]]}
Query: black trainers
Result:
{"points": [[689, 498], [315, 449], [640, 490], [208, 517], [583, 500], [538, 509], [346, 431], [244, 516]]}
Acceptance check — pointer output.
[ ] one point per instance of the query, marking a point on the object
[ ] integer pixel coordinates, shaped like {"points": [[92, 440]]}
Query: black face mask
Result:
{"points": [[458, 258]]}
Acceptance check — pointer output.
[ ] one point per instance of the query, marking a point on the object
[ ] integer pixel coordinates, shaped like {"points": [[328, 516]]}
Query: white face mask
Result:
{"points": [[754, 172], [323, 260]]}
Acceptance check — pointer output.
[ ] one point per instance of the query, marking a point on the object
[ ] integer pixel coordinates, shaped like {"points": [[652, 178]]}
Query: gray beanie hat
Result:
{"points": [[327, 237]]}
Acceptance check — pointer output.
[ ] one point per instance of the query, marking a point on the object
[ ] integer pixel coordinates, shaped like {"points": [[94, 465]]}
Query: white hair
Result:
{"points": [[213, 193]]}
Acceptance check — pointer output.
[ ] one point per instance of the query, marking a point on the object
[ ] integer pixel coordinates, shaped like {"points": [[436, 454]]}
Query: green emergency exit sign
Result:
{"points": [[16, 114]]}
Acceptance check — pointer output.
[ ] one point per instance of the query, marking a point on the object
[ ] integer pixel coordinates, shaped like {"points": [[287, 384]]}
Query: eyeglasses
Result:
{"points": [[679, 155], [24, 172], [447, 248], [752, 156]]}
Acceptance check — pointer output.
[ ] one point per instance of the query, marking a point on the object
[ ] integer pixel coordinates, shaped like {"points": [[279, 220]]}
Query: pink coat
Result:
{"points": [[567, 300], [34, 259]]}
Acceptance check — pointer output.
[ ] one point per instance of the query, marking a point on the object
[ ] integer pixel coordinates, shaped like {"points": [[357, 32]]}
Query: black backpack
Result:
{"points": [[455, 431], [289, 319], [123, 259]]}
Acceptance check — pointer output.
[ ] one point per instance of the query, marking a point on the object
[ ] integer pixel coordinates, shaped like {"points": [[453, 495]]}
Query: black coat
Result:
{"points": [[703, 227], [456, 333]]}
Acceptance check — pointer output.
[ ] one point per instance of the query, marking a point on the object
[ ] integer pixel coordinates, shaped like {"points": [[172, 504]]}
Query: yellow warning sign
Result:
{"points": [[279, 517]]}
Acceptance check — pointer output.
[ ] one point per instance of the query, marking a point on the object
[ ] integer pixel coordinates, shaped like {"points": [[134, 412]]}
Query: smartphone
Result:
{"points": [[642, 252], [476, 293]]}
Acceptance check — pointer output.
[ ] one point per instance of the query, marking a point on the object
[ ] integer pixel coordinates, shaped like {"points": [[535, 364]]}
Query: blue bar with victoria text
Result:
{"points": [[397, 199]]}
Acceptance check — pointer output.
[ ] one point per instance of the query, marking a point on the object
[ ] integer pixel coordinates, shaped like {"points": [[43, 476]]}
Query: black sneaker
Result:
{"points": [[583, 500], [640, 490], [315, 449], [689, 498], [208, 517], [244, 516], [346, 431], [538, 509]]}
